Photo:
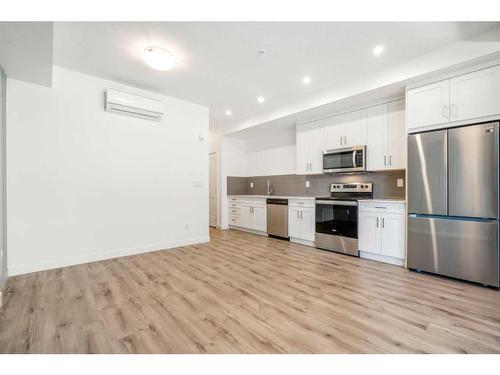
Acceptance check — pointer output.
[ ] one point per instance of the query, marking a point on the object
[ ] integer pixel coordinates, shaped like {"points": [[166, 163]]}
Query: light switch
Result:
{"points": [[308, 184], [251, 185], [400, 182]]}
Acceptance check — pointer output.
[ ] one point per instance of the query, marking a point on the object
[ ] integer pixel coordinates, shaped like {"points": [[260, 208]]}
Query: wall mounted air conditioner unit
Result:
{"points": [[133, 105]]}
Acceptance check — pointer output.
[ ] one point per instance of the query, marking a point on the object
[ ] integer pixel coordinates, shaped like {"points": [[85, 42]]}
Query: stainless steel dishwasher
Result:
{"points": [[277, 217]]}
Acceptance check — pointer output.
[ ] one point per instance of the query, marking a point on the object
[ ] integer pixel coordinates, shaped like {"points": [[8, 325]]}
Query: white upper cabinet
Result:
{"points": [[470, 96], [309, 152], [316, 147], [377, 126], [476, 94], [345, 130], [333, 133], [429, 105], [386, 136], [397, 135], [302, 149], [354, 124]]}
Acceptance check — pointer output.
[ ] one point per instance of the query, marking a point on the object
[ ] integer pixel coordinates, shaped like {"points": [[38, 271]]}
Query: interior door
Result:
{"points": [[429, 105], [377, 144], [427, 173], [473, 171], [212, 190]]}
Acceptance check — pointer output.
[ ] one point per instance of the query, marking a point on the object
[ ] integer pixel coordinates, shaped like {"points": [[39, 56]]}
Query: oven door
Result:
{"points": [[350, 159], [337, 226]]}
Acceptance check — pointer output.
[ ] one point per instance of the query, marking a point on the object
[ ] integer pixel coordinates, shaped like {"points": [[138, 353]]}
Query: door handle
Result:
{"points": [[383, 220], [377, 222], [354, 159], [298, 215], [301, 214], [390, 160], [385, 160], [341, 140], [345, 139]]}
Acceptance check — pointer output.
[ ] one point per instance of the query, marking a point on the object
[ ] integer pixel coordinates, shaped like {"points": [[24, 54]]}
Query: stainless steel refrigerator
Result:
{"points": [[453, 177]]}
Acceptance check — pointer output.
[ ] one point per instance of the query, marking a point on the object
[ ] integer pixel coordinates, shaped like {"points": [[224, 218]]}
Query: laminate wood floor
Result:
{"points": [[243, 293]]}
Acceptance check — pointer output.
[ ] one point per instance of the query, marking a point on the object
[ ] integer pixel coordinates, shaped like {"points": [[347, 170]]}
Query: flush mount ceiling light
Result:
{"points": [[158, 58], [306, 80], [228, 113], [378, 50], [261, 99]]}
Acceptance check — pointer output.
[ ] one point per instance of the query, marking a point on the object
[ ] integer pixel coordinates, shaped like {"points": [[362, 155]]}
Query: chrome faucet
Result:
{"points": [[269, 189]]}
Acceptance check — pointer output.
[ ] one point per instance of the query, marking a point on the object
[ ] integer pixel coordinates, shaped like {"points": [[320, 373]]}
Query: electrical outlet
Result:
{"points": [[308, 184], [400, 182], [251, 185]]}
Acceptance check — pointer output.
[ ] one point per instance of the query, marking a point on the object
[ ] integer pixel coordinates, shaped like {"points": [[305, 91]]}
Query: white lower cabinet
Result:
{"points": [[301, 220], [248, 213], [381, 231]]}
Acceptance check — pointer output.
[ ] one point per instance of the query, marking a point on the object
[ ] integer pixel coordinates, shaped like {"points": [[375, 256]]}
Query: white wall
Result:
{"points": [[271, 153], [3, 248], [84, 184]]}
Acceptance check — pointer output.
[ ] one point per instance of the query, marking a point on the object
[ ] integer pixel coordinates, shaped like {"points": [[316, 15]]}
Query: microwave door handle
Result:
{"points": [[354, 158]]}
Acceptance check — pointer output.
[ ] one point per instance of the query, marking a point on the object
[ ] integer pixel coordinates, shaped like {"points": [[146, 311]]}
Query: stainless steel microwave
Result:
{"points": [[349, 159]]}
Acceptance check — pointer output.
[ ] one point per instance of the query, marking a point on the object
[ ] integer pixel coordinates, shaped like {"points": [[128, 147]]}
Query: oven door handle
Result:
{"points": [[354, 158], [338, 203]]}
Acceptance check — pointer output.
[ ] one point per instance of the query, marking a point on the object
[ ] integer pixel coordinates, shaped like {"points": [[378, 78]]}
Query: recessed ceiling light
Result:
{"points": [[158, 58], [306, 80], [378, 50], [261, 99], [228, 113]]}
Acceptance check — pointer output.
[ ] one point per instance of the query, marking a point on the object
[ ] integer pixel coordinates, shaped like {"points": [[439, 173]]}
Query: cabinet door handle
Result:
{"points": [[345, 139], [385, 160], [445, 111], [341, 140], [297, 214], [377, 222], [301, 214], [454, 110], [390, 160], [383, 208]]}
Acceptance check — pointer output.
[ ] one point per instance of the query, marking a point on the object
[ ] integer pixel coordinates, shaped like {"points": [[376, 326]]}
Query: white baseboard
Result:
{"points": [[96, 256], [382, 258]]}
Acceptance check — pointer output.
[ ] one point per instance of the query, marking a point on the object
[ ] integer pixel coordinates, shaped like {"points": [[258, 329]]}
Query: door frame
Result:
{"points": [[216, 179]]}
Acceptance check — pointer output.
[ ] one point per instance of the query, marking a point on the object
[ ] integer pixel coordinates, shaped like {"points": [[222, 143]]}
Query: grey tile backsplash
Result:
{"points": [[384, 184]]}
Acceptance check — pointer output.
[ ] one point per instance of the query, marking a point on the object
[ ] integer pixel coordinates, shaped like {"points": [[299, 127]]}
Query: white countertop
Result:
{"points": [[271, 196], [374, 200]]}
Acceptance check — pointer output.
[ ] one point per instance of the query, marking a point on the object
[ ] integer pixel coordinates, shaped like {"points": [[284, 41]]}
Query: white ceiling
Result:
{"points": [[26, 51], [219, 65]]}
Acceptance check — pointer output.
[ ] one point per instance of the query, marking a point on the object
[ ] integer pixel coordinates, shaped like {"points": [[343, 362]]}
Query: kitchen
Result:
{"points": [[349, 195]]}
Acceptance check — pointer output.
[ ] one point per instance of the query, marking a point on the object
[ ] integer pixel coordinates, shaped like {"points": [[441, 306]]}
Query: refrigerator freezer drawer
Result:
{"points": [[464, 249]]}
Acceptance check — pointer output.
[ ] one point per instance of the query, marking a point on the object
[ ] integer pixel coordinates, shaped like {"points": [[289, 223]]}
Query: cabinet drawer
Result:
{"points": [[234, 210], [234, 220], [301, 203], [398, 208]]}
